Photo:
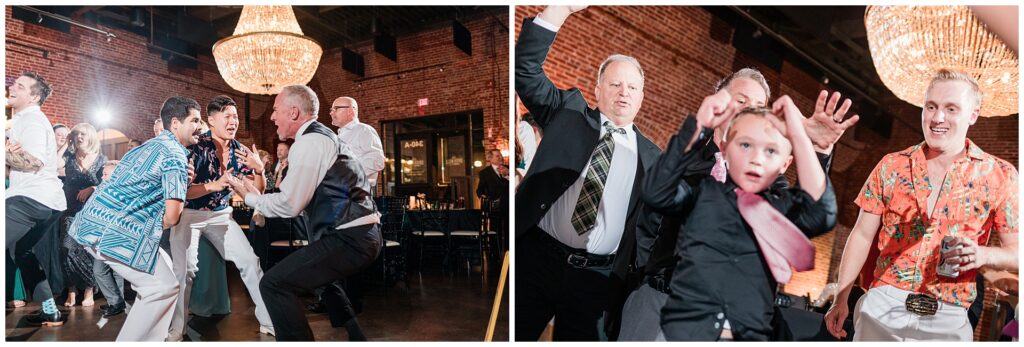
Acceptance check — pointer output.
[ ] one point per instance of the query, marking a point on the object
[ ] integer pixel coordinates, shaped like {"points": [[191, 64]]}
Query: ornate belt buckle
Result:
{"points": [[922, 304], [577, 261]]}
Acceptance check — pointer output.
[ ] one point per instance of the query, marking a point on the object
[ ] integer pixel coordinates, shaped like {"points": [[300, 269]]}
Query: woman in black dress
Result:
{"points": [[83, 172]]}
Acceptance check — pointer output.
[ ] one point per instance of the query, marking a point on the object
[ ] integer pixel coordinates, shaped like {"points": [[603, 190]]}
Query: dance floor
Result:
{"points": [[435, 307]]}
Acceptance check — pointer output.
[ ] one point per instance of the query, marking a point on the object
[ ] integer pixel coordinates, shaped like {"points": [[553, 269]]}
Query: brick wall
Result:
{"points": [[87, 73], [428, 66], [685, 50]]}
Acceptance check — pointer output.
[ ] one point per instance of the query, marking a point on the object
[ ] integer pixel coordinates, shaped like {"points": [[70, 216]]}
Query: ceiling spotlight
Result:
{"points": [[39, 18], [824, 80]]}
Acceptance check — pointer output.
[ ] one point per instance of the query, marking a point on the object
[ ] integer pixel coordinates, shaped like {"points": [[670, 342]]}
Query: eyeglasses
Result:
{"points": [[337, 107]]}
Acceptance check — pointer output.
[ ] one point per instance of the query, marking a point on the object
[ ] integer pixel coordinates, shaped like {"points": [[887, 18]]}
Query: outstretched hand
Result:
{"points": [[826, 124], [250, 158], [242, 186]]}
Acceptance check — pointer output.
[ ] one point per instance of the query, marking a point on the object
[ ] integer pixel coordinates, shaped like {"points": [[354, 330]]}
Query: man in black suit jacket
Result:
{"points": [[493, 184], [576, 216]]}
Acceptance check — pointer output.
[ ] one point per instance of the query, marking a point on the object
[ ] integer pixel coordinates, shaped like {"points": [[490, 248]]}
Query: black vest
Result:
{"points": [[343, 195]]}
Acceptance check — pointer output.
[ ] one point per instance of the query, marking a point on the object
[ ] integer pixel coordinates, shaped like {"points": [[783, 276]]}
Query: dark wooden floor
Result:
{"points": [[435, 307]]}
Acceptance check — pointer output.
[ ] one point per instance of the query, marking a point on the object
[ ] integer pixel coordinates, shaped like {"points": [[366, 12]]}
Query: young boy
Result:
{"points": [[733, 254]]}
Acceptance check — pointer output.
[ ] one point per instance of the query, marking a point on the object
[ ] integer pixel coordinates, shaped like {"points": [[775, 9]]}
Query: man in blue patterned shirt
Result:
{"points": [[216, 157], [122, 221]]}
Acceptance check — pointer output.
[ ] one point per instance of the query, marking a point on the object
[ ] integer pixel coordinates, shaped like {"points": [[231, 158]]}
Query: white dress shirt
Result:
{"points": [[528, 140], [544, 24], [604, 238], [308, 161], [31, 129], [362, 139]]}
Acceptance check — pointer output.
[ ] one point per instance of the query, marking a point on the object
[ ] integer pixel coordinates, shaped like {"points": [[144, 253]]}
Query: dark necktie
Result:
{"points": [[781, 242], [585, 214]]}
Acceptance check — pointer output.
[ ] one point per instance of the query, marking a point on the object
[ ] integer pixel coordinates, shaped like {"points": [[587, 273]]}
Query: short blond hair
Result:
{"points": [[944, 75], [92, 143]]}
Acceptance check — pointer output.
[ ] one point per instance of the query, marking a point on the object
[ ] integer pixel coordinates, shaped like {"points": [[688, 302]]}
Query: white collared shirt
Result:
{"points": [[544, 24], [604, 238], [308, 161], [365, 144], [495, 168], [528, 140], [32, 130]]}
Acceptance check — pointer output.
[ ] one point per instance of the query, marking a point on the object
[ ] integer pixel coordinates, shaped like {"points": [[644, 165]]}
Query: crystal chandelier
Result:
{"points": [[266, 52], [910, 43]]}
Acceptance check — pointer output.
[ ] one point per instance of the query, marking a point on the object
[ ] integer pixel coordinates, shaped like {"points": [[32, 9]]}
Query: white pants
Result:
{"points": [[150, 316], [229, 240], [881, 315]]}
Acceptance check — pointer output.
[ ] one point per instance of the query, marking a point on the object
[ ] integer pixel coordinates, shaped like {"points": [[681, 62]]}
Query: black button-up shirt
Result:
{"points": [[208, 169]]}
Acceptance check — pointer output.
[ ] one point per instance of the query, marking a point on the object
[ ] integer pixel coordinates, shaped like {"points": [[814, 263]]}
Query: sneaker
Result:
{"points": [[50, 320], [113, 310], [267, 330]]}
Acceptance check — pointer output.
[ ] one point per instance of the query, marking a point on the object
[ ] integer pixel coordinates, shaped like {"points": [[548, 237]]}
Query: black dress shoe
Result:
{"points": [[113, 310], [104, 306], [316, 307], [50, 320]]}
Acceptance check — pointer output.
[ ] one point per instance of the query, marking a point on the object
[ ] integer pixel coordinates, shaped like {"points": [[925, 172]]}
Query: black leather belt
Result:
{"points": [[576, 258], [657, 282], [922, 304]]}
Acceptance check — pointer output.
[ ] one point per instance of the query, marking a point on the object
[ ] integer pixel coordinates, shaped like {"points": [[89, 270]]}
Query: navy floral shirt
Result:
{"points": [[207, 164]]}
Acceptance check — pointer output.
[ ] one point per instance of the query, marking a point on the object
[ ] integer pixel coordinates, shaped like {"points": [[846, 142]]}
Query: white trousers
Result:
{"points": [[881, 315], [227, 237], [150, 316]]}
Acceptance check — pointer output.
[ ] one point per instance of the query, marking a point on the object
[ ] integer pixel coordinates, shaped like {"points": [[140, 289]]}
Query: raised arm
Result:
{"points": [[663, 187], [808, 168], [535, 89]]}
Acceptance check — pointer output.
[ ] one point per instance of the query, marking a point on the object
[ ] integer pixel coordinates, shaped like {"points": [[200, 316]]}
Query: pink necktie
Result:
{"points": [[719, 172], [781, 241]]}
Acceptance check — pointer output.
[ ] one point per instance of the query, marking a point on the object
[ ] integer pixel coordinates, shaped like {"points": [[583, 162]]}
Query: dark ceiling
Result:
{"points": [[829, 42], [193, 30]]}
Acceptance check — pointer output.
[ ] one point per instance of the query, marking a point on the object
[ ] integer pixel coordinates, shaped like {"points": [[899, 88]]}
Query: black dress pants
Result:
{"points": [[547, 286], [337, 255], [29, 223]]}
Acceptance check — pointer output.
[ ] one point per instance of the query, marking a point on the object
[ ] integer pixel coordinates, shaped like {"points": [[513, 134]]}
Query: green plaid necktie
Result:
{"points": [[585, 214]]}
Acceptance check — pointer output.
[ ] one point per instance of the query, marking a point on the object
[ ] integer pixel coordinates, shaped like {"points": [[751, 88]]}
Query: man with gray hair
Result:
{"points": [[577, 206], [326, 182]]}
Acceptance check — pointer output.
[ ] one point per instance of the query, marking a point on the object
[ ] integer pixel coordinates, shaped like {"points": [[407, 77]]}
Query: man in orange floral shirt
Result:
{"points": [[973, 198]]}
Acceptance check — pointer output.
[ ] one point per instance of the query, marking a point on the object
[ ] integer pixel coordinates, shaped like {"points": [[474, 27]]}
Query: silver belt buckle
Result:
{"points": [[576, 260]]}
